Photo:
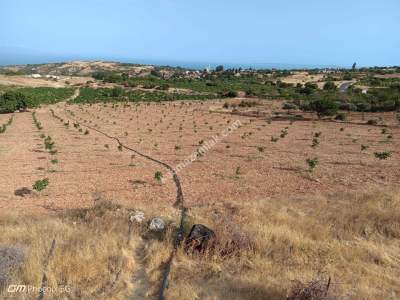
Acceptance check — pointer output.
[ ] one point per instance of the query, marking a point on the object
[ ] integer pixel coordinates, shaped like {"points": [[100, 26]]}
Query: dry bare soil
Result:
{"points": [[252, 187]]}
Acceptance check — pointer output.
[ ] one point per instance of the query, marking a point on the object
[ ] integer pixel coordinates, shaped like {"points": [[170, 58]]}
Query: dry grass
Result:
{"points": [[264, 250], [91, 249], [353, 238]]}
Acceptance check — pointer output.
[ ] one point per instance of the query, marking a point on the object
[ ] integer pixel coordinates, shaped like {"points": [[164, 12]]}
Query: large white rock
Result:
{"points": [[157, 224], [138, 217]]}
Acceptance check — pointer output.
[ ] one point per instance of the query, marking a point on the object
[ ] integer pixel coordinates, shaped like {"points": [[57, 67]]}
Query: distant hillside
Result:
{"points": [[75, 68]]}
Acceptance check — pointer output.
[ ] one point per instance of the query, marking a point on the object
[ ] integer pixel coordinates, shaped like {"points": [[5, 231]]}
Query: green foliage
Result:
{"points": [[238, 172], [231, 94], [329, 86], [40, 185], [274, 139], [324, 107], [383, 155], [340, 117], [219, 68], [315, 142], [225, 83], [12, 101], [48, 143], [289, 106], [312, 163], [22, 98], [3, 127], [284, 133], [158, 176], [36, 121], [364, 147], [347, 76], [89, 95]]}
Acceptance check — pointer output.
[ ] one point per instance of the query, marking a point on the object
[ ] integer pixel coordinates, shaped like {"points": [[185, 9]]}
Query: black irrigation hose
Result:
{"points": [[179, 204]]}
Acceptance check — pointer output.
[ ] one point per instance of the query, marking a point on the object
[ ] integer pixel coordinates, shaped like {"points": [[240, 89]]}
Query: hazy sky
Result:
{"points": [[315, 32]]}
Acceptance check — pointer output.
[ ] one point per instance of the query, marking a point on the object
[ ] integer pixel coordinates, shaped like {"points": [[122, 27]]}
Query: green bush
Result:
{"points": [[329, 86], [12, 101], [324, 107]]}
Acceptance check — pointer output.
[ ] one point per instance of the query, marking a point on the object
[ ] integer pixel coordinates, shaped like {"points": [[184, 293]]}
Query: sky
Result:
{"points": [[302, 32]]}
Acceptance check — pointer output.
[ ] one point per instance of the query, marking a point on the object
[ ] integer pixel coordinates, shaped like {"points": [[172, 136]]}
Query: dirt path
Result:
{"points": [[179, 203], [142, 285]]}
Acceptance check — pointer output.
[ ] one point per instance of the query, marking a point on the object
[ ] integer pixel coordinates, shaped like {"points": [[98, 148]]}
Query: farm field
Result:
{"points": [[254, 181], [244, 165], [199, 150]]}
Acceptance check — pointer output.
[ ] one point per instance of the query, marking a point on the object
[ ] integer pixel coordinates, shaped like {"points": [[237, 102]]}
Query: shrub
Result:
{"points": [[340, 117], [231, 94], [12, 101], [158, 176], [247, 103], [312, 163], [41, 184], [219, 68], [324, 107], [383, 155], [329, 86], [238, 172], [164, 87], [315, 142], [289, 106]]}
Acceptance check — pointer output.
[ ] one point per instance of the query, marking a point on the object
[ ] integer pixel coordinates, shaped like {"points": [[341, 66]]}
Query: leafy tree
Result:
{"points": [[311, 85], [329, 86], [12, 101], [324, 107], [219, 68], [231, 94]]}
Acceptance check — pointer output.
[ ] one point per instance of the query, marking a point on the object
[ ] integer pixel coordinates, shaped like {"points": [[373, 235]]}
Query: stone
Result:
{"points": [[137, 216], [157, 224], [11, 258], [22, 192], [199, 238]]}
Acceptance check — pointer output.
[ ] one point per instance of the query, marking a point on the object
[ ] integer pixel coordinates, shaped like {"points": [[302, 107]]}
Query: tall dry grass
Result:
{"points": [[264, 250], [352, 238]]}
